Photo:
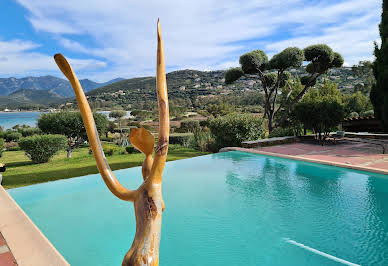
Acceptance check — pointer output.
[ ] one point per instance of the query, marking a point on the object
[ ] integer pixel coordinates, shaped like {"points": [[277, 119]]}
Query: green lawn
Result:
{"points": [[22, 172]]}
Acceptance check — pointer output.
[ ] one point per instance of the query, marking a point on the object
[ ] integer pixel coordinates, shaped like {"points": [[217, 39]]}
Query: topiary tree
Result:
{"points": [[379, 92], [70, 124], [40, 148], [118, 115], [273, 75], [233, 74]]}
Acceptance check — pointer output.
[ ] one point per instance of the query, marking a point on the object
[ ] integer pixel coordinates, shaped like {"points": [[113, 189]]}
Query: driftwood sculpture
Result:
{"points": [[147, 199]]}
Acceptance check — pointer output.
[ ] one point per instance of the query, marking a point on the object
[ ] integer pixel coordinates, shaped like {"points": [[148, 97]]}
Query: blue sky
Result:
{"points": [[117, 38]]}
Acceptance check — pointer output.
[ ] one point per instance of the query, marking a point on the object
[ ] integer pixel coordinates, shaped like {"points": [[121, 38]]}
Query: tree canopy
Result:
{"points": [[364, 70], [117, 114], [321, 109], [379, 92], [71, 125], [273, 75]]}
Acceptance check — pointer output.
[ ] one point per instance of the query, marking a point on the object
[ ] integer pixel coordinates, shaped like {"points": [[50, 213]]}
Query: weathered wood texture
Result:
{"points": [[147, 199]]}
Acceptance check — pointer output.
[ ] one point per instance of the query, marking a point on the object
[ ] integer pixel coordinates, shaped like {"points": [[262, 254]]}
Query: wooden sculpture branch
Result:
{"points": [[147, 199]]}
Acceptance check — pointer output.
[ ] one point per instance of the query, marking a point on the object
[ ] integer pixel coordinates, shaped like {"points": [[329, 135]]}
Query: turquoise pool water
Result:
{"points": [[231, 208]]}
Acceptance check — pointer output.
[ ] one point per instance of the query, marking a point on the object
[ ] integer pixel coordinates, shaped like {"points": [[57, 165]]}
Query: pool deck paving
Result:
{"points": [[348, 154], [6, 257]]}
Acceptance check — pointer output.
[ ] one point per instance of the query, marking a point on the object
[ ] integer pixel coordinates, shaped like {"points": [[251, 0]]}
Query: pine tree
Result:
{"points": [[379, 92]]}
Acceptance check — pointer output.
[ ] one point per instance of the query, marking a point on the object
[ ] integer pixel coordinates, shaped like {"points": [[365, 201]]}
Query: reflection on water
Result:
{"points": [[334, 208]]}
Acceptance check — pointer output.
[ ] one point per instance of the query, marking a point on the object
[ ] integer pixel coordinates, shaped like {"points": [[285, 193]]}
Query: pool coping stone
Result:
{"points": [[300, 158], [28, 245]]}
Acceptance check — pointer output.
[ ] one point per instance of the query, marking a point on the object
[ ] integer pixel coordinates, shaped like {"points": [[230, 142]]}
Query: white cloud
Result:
{"points": [[202, 33], [19, 59]]}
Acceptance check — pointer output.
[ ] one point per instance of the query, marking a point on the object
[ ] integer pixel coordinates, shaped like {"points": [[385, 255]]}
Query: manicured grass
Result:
{"points": [[22, 172]]}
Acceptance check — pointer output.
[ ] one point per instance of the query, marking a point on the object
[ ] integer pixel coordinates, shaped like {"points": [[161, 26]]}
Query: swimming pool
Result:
{"points": [[232, 208]]}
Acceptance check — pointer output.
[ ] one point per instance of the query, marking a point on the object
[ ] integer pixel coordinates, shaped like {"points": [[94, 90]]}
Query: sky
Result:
{"points": [[106, 39]]}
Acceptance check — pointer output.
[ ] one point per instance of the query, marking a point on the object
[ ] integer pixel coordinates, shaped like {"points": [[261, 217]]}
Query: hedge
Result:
{"points": [[234, 128], [40, 148], [180, 138]]}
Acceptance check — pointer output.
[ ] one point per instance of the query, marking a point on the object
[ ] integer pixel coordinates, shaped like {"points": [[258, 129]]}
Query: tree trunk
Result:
{"points": [[270, 121], [121, 133], [270, 126], [69, 152]]}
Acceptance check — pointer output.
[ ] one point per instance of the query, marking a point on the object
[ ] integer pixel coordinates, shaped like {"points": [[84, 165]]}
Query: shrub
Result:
{"points": [[189, 125], [282, 132], [202, 140], [181, 139], [131, 150], [1, 147], [253, 109], [174, 147], [40, 148], [203, 113], [235, 128], [13, 136], [118, 114], [30, 131], [367, 113], [204, 123], [353, 115], [105, 138], [220, 109], [71, 125], [110, 149], [173, 129]]}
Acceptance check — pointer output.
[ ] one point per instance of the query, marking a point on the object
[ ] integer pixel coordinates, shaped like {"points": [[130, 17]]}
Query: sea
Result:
{"points": [[10, 119]]}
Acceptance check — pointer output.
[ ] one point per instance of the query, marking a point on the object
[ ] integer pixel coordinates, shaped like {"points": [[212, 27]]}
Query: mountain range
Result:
{"points": [[30, 97], [183, 85], [200, 86], [47, 83]]}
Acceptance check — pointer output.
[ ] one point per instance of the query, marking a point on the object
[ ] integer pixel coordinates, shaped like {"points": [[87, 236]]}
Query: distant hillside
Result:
{"points": [[26, 97], [190, 84], [46, 83]]}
